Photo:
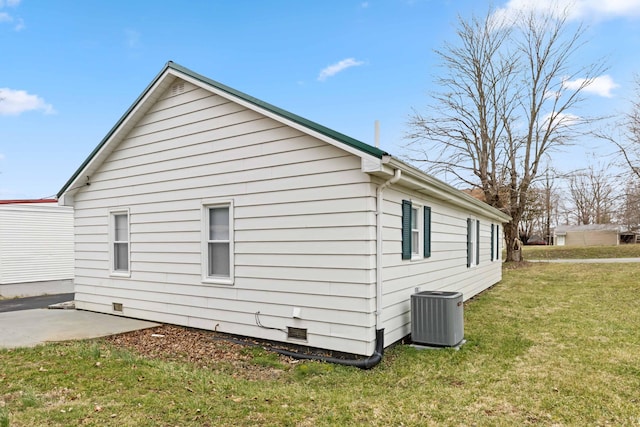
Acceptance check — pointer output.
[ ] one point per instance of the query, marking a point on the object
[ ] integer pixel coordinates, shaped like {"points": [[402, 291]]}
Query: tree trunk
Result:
{"points": [[512, 242]]}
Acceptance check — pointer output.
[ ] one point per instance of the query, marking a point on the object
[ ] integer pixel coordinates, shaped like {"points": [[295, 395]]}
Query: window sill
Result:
{"points": [[213, 281], [126, 274]]}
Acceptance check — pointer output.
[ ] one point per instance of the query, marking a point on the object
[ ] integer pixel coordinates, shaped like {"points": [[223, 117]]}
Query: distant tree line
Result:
{"points": [[590, 196]]}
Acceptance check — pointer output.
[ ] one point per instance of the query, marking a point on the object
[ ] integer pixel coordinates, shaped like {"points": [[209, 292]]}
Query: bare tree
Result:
{"points": [[503, 105], [593, 196], [581, 201], [549, 199], [625, 134], [541, 210], [630, 209], [532, 221]]}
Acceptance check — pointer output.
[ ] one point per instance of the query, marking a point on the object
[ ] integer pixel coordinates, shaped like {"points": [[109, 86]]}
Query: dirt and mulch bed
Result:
{"points": [[206, 349]]}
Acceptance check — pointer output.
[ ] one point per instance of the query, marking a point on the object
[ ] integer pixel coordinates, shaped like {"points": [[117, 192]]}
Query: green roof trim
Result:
{"points": [[359, 145]]}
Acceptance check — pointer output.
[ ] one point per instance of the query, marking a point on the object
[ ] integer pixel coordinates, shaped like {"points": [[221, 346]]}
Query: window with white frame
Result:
{"points": [[218, 243], [120, 247], [416, 231], [473, 242], [495, 242]]}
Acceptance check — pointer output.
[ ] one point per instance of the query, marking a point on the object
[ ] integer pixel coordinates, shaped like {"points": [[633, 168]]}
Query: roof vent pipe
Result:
{"points": [[376, 126]]}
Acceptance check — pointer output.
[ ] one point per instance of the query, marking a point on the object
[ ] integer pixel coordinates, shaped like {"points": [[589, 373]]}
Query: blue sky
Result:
{"points": [[70, 69]]}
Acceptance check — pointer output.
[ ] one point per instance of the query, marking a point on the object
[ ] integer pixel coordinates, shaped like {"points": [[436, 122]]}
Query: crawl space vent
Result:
{"points": [[297, 333], [117, 306], [177, 88]]}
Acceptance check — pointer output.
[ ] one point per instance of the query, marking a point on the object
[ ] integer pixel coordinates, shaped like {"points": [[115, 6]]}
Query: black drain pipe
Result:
{"points": [[366, 363]]}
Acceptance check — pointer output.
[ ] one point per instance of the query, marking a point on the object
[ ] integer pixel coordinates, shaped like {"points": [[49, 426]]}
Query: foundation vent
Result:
{"points": [[117, 306], [297, 333]]}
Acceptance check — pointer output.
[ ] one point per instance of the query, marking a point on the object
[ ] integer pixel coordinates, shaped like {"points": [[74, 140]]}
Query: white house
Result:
{"points": [[36, 247], [208, 208]]}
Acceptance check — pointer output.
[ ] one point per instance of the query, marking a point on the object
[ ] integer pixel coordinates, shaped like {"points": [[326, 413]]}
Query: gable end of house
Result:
{"points": [[165, 78]]}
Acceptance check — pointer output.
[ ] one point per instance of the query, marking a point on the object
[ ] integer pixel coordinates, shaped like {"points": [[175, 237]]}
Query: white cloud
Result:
{"points": [[611, 8], [551, 94], [132, 38], [6, 17], [561, 120], [601, 85], [19, 25], [577, 9], [15, 102], [334, 69]]}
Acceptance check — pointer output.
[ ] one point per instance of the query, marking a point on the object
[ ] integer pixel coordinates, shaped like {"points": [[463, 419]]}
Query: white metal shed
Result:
{"points": [[36, 247]]}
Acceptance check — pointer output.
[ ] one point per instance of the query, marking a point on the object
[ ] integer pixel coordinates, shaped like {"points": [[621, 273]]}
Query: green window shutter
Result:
{"points": [[427, 232], [477, 242], [469, 242], [406, 229], [492, 241]]}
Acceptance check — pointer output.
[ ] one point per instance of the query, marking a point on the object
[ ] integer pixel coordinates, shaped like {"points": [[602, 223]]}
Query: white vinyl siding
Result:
{"points": [[445, 269], [36, 243], [303, 225]]}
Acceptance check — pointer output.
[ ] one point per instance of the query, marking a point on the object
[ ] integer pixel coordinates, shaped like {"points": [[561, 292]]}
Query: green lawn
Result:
{"points": [[552, 344], [576, 252]]}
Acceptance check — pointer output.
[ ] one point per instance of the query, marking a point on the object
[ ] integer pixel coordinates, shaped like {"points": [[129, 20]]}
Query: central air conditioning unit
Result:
{"points": [[437, 318]]}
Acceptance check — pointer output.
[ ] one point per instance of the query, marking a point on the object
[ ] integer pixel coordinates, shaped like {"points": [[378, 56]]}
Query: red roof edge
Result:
{"points": [[25, 201]]}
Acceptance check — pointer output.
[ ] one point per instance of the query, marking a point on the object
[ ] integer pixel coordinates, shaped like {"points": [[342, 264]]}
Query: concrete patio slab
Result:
{"points": [[28, 328]]}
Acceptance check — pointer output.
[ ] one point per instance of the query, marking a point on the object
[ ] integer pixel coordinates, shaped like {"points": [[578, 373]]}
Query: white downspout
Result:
{"points": [[379, 214]]}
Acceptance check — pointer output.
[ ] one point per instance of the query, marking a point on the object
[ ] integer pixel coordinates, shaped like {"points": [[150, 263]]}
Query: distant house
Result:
{"points": [[36, 247], [588, 235], [209, 208]]}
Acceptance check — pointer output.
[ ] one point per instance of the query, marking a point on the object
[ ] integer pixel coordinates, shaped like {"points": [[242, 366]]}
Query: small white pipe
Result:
{"points": [[376, 126], [379, 214]]}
